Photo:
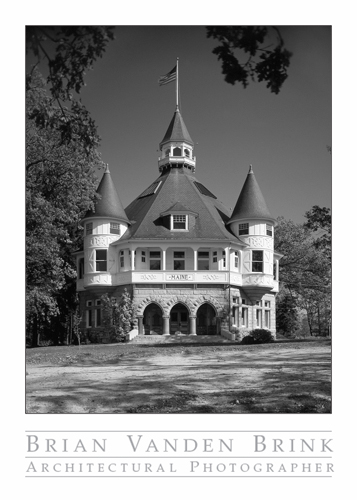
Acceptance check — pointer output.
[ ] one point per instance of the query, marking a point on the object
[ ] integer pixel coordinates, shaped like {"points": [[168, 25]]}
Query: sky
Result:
{"points": [[284, 136]]}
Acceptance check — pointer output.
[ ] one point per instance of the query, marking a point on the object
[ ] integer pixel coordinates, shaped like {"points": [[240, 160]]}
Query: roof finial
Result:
{"points": [[107, 171], [250, 170]]}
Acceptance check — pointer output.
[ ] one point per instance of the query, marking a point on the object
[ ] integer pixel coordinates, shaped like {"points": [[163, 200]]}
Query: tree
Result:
{"points": [[305, 269], [250, 52], [287, 314], [67, 52], [118, 315], [61, 160]]}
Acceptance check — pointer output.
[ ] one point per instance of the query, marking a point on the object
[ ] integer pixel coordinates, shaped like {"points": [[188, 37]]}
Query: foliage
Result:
{"points": [[287, 314], [249, 52], [258, 336], [68, 52], [319, 221], [240, 333], [305, 268], [61, 161], [247, 340], [118, 316]]}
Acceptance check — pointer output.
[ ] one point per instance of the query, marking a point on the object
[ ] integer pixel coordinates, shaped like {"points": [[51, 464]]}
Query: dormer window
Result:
{"points": [[179, 223], [114, 228], [243, 228]]}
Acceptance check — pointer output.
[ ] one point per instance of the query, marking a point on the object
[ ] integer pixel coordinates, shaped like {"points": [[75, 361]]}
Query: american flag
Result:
{"points": [[170, 77]]}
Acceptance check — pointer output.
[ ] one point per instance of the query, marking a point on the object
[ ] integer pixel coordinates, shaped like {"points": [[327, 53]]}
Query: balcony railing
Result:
{"points": [[180, 277]]}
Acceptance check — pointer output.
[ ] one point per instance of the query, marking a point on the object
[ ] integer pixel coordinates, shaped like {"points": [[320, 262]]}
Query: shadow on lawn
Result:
{"points": [[297, 382]]}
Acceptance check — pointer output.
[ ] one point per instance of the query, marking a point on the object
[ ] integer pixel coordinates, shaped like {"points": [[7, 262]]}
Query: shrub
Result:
{"points": [[262, 336], [241, 333], [258, 336], [248, 339]]}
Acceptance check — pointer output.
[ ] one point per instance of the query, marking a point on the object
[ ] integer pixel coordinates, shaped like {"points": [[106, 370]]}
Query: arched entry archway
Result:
{"points": [[206, 320], [179, 319], [152, 321]]}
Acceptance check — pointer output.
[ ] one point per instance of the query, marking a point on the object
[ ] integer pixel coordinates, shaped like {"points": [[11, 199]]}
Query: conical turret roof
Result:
{"points": [[251, 203], [109, 205], [177, 130]]}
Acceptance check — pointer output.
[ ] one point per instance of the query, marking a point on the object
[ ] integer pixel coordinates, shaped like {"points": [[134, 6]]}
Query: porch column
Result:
{"points": [[140, 325], [193, 325], [164, 259], [194, 260], [132, 254], [166, 325]]}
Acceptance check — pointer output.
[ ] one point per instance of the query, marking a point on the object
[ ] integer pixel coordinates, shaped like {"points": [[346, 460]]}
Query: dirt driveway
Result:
{"points": [[287, 377]]}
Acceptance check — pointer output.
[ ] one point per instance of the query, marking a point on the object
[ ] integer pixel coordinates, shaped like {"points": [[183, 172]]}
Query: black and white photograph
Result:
{"points": [[178, 219], [178, 316]]}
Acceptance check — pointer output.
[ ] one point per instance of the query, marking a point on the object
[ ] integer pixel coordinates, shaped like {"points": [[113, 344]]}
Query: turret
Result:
{"points": [[253, 224], [102, 226]]}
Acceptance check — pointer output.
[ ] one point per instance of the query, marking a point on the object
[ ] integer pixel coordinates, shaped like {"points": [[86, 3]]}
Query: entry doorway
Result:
{"points": [[152, 321], [179, 319], [206, 320]]}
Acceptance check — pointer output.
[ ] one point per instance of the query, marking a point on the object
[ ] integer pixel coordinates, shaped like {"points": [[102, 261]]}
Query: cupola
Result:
{"points": [[177, 146]]}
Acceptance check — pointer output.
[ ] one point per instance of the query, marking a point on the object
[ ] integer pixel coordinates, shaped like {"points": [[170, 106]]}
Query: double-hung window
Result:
{"points": [[155, 261], [179, 223], [114, 228], [121, 259], [244, 228], [244, 314], [101, 260], [236, 260], [179, 261], [269, 230], [98, 313], [89, 314], [203, 261], [257, 261], [267, 314]]}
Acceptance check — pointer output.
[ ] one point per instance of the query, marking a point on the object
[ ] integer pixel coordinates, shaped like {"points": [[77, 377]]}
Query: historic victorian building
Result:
{"points": [[190, 264]]}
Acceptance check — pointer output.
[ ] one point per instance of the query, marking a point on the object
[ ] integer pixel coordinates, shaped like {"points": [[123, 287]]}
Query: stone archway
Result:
{"points": [[206, 322], [152, 320], [179, 319]]}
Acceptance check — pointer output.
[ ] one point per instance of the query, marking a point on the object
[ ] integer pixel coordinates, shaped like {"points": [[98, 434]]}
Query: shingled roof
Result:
{"points": [[251, 203], [177, 190], [177, 130], [109, 204]]}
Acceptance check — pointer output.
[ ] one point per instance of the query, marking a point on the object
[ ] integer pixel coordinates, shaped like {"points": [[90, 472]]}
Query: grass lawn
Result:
{"points": [[282, 377]]}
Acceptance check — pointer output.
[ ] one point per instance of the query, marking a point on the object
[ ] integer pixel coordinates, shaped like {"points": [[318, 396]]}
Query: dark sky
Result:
{"points": [[284, 136]]}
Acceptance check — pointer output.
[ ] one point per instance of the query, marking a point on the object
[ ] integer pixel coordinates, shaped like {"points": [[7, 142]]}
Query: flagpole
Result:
{"points": [[177, 81]]}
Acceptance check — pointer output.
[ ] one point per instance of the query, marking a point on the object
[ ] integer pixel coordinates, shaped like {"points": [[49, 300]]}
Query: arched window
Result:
{"points": [[167, 152], [187, 153], [177, 152]]}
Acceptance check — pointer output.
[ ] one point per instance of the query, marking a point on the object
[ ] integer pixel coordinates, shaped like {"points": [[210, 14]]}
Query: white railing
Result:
{"points": [[180, 277]]}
